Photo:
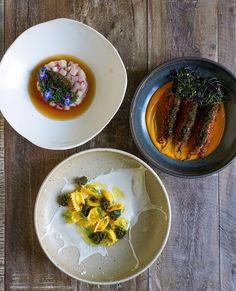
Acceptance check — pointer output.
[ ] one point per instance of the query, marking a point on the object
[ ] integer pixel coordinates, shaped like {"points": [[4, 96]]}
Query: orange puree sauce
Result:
{"points": [[153, 119], [50, 111]]}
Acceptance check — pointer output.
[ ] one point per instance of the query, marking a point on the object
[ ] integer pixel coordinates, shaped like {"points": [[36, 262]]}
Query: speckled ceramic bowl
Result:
{"points": [[151, 230], [225, 152]]}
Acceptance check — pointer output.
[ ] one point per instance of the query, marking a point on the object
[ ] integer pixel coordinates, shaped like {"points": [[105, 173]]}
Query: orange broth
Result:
{"points": [[153, 120]]}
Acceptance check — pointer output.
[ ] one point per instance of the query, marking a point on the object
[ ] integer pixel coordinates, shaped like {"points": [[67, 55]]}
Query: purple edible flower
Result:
{"points": [[67, 101], [48, 94], [42, 74]]}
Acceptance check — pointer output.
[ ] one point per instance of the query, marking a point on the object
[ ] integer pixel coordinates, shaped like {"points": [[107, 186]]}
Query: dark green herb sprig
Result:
{"points": [[55, 87], [189, 84]]}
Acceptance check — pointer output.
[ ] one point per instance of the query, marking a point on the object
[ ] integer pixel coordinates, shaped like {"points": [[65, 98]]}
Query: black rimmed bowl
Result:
{"points": [[226, 150]]}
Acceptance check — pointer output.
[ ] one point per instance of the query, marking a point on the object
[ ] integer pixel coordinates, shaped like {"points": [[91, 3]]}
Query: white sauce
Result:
{"points": [[131, 182]]}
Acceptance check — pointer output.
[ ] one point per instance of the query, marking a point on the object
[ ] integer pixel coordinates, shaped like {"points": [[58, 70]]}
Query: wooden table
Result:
{"points": [[201, 250]]}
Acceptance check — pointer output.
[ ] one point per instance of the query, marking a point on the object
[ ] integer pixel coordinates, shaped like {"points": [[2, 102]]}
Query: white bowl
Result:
{"points": [[58, 37], [149, 234]]}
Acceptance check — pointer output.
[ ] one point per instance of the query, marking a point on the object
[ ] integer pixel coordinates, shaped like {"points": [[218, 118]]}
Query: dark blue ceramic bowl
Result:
{"points": [[225, 152]]}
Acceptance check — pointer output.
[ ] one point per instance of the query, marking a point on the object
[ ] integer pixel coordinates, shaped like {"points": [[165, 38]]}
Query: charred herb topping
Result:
{"points": [[63, 199], [97, 237], [206, 121], [115, 214], [81, 180], [104, 203], [120, 232], [186, 120], [85, 209], [93, 199], [172, 116], [168, 118]]}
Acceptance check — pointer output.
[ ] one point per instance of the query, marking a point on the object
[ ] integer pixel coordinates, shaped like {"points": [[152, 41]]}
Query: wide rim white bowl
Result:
{"points": [[60, 37], [40, 209]]}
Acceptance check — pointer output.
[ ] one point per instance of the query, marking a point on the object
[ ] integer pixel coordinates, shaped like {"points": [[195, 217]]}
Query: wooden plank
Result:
{"points": [[28, 165], [27, 267], [227, 178], [114, 18], [191, 258], [2, 177], [2, 206]]}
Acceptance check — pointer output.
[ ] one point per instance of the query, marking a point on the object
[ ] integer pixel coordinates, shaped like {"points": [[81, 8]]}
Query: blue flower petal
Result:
{"points": [[48, 94], [67, 101], [42, 74]]}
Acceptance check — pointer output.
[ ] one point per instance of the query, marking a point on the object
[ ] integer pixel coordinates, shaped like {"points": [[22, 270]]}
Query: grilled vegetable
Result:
{"points": [[187, 117], [203, 129], [199, 97], [168, 118]]}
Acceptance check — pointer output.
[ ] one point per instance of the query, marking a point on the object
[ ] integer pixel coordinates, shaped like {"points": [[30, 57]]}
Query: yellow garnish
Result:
{"points": [[77, 200], [111, 237], [107, 195], [116, 206], [86, 223], [96, 201], [72, 216], [121, 222], [94, 214], [89, 191], [101, 224]]}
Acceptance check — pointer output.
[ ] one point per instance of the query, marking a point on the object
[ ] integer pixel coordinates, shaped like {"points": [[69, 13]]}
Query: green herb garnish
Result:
{"points": [[81, 181], [97, 237], [85, 210], [63, 199], [189, 84], [115, 214], [104, 203], [120, 232]]}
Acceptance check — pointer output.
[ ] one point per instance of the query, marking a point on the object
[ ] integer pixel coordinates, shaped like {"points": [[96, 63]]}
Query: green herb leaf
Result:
{"points": [[189, 84]]}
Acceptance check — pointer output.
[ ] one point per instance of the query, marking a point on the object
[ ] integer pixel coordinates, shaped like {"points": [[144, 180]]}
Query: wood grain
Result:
{"points": [[31, 265], [26, 265], [188, 261], [200, 253], [2, 178], [227, 178]]}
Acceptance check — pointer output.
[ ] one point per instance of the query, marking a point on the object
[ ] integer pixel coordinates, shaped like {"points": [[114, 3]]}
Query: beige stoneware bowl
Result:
{"points": [[149, 235]]}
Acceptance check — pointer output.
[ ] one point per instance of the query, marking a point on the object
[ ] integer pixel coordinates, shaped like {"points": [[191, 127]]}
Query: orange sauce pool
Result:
{"points": [[50, 111], [153, 116]]}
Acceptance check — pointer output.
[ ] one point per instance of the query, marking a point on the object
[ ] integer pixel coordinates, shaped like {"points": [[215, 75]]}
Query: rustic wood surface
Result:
{"points": [[201, 250]]}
